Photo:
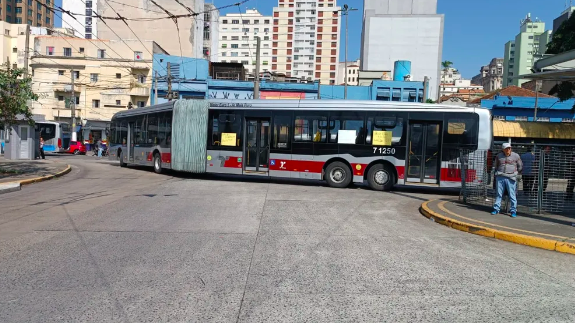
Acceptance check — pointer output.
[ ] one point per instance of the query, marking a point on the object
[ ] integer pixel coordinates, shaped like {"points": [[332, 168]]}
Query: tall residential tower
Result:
{"points": [[305, 41], [521, 53], [84, 27]]}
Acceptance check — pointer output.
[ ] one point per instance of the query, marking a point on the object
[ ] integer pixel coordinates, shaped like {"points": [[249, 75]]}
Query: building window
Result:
{"points": [[141, 104], [60, 72], [39, 17], [93, 77], [48, 20], [118, 102], [95, 103], [142, 79], [224, 21], [118, 75], [9, 8], [81, 50], [18, 9], [67, 52], [138, 56], [235, 46], [235, 22], [224, 37], [60, 98], [101, 53], [76, 75]]}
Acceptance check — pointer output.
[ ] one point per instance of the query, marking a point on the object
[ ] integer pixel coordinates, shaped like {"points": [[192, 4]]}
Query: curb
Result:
{"points": [[542, 243], [38, 179]]}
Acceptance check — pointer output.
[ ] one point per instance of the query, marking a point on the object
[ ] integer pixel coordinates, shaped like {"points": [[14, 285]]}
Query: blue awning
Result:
{"points": [[396, 93]]}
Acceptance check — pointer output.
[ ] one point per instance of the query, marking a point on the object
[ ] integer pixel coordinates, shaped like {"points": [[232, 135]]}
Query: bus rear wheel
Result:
{"points": [[381, 177], [157, 163], [338, 174], [122, 163]]}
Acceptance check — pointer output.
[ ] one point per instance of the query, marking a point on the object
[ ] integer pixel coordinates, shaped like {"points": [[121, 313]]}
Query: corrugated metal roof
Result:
{"points": [[541, 130]]}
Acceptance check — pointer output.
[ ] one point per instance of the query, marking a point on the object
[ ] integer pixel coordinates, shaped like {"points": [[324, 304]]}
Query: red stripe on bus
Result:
{"points": [[233, 162], [400, 172], [358, 169], [166, 158], [306, 166], [454, 175]]}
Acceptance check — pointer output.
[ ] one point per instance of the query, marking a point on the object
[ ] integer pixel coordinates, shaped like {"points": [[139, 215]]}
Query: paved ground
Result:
{"points": [[107, 244], [11, 171]]}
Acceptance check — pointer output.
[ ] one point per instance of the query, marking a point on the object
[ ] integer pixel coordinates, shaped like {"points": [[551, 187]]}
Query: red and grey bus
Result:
{"points": [[381, 143]]}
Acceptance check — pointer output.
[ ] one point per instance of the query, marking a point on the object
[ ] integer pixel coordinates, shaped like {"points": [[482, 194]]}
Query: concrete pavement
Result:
{"points": [[14, 173], [545, 231], [107, 244]]}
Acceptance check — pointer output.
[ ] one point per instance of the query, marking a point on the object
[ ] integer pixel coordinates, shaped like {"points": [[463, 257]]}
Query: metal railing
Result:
{"points": [[545, 185]]}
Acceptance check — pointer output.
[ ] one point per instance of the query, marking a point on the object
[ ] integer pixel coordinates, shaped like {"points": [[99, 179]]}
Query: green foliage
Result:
{"points": [[564, 38], [15, 92], [429, 101], [563, 41], [446, 65]]}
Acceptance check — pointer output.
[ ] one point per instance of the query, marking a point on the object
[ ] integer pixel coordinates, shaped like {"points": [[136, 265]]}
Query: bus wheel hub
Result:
{"points": [[381, 177], [338, 175]]}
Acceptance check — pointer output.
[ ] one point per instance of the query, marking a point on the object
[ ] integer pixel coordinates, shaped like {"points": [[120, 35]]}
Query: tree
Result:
{"points": [[446, 66], [563, 40], [15, 92]]}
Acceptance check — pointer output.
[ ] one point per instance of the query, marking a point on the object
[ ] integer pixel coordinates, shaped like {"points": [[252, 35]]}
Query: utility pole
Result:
{"points": [[257, 76], [345, 12], [73, 108], [156, 89], [169, 95], [26, 50]]}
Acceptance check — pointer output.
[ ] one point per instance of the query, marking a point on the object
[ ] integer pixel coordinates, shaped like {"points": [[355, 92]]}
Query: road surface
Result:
{"points": [[108, 244]]}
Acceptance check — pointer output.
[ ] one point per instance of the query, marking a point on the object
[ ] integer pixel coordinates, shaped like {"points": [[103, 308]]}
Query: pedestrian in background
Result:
{"points": [[528, 174], [42, 148], [99, 145], [508, 165]]}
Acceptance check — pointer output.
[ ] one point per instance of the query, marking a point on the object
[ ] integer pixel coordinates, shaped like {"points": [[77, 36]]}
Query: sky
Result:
{"points": [[474, 31]]}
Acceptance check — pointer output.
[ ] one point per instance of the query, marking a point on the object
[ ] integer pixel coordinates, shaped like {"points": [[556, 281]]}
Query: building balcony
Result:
{"points": [[140, 91]]}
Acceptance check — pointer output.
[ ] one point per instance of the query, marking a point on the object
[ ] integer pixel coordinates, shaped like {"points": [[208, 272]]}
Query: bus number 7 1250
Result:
{"points": [[384, 151]]}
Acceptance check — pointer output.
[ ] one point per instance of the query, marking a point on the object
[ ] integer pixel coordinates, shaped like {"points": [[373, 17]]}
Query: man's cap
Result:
{"points": [[506, 145]]}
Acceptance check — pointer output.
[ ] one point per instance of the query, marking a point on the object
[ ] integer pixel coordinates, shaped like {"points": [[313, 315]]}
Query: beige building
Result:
{"points": [[352, 72], [305, 42], [154, 26], [108, 77], [13, 44]]}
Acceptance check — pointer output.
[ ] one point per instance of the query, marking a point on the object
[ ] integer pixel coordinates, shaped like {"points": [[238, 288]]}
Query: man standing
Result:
{"points": [[42, 148], [507, 167]]}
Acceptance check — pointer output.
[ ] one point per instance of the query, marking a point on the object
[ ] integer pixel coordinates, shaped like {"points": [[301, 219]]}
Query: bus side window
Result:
{"points": [[310, 129], [347, 121], [391, 123], [281, 132], [153, 129]]}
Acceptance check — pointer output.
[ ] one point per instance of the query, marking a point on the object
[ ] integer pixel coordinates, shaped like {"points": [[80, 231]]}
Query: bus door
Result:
{"points": [[131, 141], [424, 152], [257, 146]]}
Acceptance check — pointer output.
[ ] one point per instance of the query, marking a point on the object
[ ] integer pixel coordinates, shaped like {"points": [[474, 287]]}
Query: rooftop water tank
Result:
{"points": [[401, 69]]}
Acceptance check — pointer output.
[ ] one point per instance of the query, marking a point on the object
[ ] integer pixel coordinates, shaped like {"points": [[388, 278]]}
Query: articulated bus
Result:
{"points": [[383, 143], [56, 135]]}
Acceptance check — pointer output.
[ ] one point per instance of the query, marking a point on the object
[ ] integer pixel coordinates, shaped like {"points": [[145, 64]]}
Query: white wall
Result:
{"points": [[416, 38], [79, 26], [401, 7]]}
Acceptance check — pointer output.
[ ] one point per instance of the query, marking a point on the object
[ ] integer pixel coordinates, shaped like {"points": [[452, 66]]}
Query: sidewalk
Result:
{"points": [[14, 173], [551, 232]]}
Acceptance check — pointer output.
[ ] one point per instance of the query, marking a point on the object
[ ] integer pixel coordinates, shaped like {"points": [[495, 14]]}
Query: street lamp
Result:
{"points": [[345, 12]]}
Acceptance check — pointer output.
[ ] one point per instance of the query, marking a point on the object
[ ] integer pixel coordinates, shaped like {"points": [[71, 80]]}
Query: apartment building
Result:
{"points": [[108, 76], [238, 32], [83, 26], [352, 72], [211, 32], [306, 40], [528, 46], [151, 24], [31, 12]]}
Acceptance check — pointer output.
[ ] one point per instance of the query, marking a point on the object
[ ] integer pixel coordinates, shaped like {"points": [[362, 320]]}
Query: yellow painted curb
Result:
{"points": [[43, 178], [542, 243]]}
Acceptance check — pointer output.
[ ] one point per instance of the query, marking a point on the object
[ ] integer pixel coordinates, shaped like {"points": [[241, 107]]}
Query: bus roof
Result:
{"points": [[307, 105]]}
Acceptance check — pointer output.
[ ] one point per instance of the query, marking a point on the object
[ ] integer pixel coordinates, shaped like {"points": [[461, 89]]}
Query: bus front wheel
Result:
{"points": [[157, 163], [338, 175], [381, 177], [122, 163]]}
